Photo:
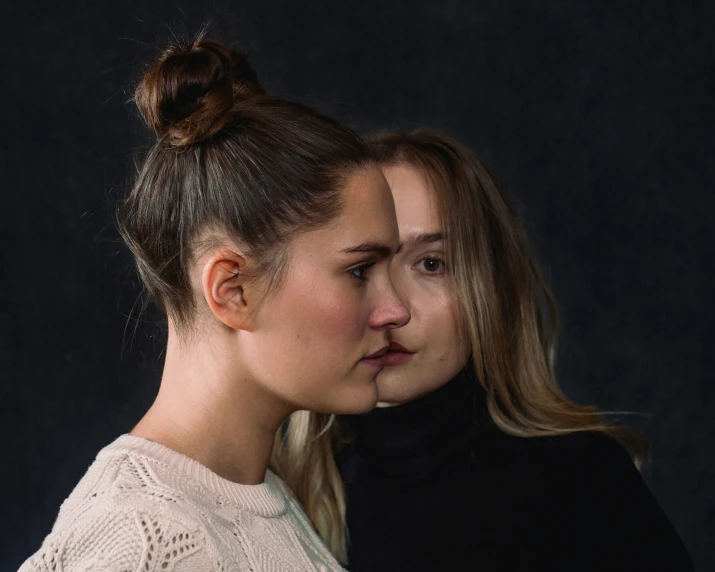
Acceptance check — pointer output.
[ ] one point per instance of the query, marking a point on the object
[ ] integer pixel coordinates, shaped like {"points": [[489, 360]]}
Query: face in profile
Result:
{"points": [[318, 342], [428, 351]]}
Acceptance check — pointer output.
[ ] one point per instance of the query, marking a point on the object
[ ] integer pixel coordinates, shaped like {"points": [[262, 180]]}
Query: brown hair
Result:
{"points": [[231, 159], [508, 314]]}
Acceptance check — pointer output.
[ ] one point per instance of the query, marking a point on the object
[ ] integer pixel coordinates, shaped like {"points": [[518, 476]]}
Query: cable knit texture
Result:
{"points": [[144, 507]]}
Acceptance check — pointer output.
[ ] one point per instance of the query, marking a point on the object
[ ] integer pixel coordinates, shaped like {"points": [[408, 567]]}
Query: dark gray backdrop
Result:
{"points": [[597, 115]]}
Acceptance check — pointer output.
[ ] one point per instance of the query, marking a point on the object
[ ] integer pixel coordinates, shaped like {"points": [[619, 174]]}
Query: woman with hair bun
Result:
{"points": [[264, 230], [474, 460]]}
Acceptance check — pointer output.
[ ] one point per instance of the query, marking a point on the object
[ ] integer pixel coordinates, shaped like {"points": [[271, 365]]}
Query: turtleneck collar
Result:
{"points": [[420, 440]]}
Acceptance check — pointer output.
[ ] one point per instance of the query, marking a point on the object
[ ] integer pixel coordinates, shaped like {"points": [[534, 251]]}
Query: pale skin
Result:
{"points": [[252, 360], [422, 282]]}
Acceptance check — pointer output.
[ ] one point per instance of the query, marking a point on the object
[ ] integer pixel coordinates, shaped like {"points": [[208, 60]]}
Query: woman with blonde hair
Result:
{"points": [[474, 459], [263, 229]]}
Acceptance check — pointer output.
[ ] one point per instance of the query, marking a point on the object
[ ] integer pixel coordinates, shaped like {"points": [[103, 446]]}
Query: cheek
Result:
{"points": [[436, 336], [432, 304], [440, 328], [327, 315], [309, 345], [340, 317]]}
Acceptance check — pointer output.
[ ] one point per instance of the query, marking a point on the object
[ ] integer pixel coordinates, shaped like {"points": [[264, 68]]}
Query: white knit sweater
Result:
{"points": [[143, 507]]}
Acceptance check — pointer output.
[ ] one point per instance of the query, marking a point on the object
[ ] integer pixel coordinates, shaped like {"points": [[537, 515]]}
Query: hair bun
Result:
{"points": [[187, 95]]}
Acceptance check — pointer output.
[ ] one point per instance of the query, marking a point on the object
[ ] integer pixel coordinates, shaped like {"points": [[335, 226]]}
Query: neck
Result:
{"points": [[212, 414], [422, 439]]}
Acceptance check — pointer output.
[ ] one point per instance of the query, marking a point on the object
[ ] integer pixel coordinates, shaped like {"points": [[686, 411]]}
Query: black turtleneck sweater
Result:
{"points": [[428, 489]]}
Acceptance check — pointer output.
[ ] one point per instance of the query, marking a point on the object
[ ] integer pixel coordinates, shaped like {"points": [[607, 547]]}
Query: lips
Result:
{"points": [[377, 359], [389, 355], [395, 347], [397, 354], [379, 353]]}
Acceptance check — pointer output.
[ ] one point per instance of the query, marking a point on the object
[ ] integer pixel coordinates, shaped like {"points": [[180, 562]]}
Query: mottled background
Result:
{"points": [[598, 116]]}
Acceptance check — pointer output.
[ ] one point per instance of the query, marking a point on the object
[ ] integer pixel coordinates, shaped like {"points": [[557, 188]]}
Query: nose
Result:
{"points": [[390, 312]]}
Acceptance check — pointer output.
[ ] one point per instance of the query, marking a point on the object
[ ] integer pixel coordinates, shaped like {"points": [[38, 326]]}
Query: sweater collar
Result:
{"points": [[420, 440]]}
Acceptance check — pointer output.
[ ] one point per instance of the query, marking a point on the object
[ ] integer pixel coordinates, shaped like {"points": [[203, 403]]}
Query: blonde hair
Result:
{"points": [[508, 313]]}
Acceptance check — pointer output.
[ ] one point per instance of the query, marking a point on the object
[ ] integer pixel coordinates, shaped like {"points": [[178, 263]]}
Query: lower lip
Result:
{"points": [[396, 358], [377, 362]]}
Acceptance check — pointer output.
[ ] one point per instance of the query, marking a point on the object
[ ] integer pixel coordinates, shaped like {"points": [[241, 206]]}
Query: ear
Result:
{"points": [[223, 281]]}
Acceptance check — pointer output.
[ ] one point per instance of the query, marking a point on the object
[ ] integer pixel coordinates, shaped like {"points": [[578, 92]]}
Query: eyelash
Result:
{"points": [[364, 268], [434, 258]]}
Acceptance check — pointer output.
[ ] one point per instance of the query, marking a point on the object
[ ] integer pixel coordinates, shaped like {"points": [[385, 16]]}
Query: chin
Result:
{"points": [[395, 393], [365, 400], [354, 400], [395, 387]]}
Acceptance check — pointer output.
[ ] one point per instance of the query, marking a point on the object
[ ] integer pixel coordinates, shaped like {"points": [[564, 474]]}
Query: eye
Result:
{"points": [[360, 272], [431, 265]]}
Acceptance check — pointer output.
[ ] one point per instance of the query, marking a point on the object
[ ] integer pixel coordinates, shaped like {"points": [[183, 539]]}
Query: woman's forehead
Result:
{"points": [[415, 204]]}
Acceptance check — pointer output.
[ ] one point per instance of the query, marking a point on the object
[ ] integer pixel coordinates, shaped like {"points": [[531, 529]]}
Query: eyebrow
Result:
{"points": [[372, 247], [424, 238]]}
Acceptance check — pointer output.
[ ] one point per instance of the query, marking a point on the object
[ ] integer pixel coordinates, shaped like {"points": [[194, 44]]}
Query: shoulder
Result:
{"points": [[584, 464], [589, 455], [576, 450], [111, 537], [122, 482], [592, 492], [121, 517], [599, 471], [585, 442]]}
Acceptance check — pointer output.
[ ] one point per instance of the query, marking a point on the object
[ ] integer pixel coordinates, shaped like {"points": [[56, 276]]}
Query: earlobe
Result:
{"points": [[223, 288]]}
